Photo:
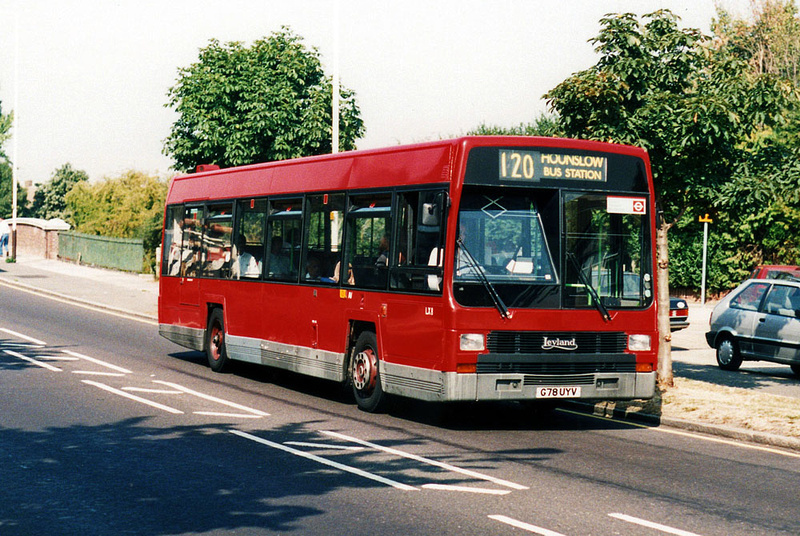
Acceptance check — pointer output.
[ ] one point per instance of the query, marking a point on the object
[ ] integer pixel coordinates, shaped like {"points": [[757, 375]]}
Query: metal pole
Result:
{"points": [[335, 83], [14, 165], [705, 256]]}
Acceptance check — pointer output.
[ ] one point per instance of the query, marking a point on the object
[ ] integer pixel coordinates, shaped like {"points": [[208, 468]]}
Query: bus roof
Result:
{"points": [[422, 163]]}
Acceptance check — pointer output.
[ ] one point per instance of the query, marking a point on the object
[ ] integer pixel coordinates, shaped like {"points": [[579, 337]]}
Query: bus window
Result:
{"points": [[284, 228], [368, 239], [248, 250], [217, 240], [173, 236], [323, 238], [416, 263], [192, 253]]}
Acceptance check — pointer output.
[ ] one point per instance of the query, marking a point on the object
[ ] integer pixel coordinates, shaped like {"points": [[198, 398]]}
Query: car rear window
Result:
{"points": [[750, 297]]}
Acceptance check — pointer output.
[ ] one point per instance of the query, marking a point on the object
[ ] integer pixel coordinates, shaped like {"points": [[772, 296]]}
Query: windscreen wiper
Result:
{"points": [[588, 284], [496, 299]]}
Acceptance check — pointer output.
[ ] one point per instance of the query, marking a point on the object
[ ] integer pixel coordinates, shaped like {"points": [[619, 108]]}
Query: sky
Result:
{"points": [[91, 76]]}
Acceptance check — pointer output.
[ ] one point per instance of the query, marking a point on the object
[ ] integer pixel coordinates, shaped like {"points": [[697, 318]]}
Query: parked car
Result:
{"points": [[678, 314], [759, 320], [776, 271]]}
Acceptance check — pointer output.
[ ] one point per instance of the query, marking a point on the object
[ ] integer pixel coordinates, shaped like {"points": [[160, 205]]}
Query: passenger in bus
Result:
{"points": [[350, 277], [312, 269], [279, 263], [245, 265], [383, 252]]}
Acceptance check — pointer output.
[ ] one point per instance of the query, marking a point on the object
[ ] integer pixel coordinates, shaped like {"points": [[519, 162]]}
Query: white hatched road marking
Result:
{"points": [[466, 489], [98, 362], [21, 336], [651, 525], [212, 398], [322, 446], [524, 526], [98, 373], [428, 461], [324, 461], [32, 360], [133, 397]]}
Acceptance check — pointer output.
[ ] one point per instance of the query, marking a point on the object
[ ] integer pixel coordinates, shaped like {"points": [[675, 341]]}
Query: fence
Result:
{"points": [[119, 253]]}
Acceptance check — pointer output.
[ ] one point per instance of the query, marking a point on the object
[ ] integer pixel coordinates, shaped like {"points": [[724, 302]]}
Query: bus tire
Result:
{"points": [[215, 341], [365, 375]]}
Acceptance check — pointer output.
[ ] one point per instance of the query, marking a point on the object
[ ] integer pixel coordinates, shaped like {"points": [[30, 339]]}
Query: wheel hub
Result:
{"points": [[365, 370]]}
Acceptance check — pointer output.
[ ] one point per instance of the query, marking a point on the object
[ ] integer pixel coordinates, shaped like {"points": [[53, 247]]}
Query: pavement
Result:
{"points": [[119, 292], [136, 295]]}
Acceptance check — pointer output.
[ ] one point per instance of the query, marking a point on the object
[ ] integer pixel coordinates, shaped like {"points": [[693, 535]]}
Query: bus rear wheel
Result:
{"points": [[215, 341], [364, 374]]}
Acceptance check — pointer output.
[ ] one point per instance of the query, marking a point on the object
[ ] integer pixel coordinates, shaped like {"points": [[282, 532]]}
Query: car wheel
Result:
{"points": [[365, 375], [796, 368], [728, 357], [215, 341]]}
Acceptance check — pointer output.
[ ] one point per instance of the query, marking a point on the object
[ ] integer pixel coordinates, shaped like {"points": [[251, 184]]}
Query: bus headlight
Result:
{"points": [[639, 343], [471, 342]]}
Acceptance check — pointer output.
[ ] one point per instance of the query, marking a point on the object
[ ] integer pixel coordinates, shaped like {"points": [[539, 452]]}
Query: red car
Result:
{"points": [[776, 271]]}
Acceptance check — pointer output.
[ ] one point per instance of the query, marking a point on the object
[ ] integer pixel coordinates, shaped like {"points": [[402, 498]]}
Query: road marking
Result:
{"points": [[212, 398], [153, 391], [98, 362], [21, 336], [98, 373], [322, 446], [220, 414], [689, 434], [428, 461], [325, 461], [56, 358], [466, 489], [32, 360], [133, 397], [524, 526], [649, 524]]}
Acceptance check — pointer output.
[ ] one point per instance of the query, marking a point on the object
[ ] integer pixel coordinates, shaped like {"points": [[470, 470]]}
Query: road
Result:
{"points": [[693, 358], [108, 429]]}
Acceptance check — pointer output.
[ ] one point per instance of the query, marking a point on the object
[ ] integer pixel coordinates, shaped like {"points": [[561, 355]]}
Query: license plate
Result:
{"points": [[558, 392]]}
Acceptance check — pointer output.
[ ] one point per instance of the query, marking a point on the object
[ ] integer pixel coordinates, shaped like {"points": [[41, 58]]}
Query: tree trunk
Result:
{"points": [[665, 336]]}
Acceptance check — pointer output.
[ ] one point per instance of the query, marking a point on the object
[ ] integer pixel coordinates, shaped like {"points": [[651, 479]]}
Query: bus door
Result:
{"points": [[192, 255], [412, 319]]}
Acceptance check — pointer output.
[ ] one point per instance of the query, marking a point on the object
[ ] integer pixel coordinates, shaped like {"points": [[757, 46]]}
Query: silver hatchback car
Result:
{"points": [[758, 321]]}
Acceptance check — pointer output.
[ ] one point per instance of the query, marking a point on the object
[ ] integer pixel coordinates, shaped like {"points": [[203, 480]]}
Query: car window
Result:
{"points": [[750, 297], [783, 300]]}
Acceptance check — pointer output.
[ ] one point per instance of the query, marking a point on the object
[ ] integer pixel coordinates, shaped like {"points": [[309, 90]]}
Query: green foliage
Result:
{"points": [[659, 87], [544, 125], [6, 121], [49, 201], [129, 206], [240, 105]]}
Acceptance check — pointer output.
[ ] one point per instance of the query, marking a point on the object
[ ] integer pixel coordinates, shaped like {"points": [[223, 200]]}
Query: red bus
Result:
{"points": [[480, 268]]}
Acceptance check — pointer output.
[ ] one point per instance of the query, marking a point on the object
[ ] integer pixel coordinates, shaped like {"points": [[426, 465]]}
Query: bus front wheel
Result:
{"points": [[364, 374], [215, 341]]}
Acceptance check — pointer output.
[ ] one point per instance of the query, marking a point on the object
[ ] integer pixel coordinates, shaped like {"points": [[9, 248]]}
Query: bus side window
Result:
{"points": [[248, 247], [284, 228], [323, 246], [192, 252], [420, 239], [369, 230], [171, 245], [218, 231]]}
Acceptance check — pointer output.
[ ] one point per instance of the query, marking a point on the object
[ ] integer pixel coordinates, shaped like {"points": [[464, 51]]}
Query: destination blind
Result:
{"points": [[536, 165]]}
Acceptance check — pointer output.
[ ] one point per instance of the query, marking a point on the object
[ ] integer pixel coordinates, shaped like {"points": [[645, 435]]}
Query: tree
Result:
{"points": [[6, 179], [542, 126], [128, 206], [49, 201], [271, 101], [660, 87]]}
